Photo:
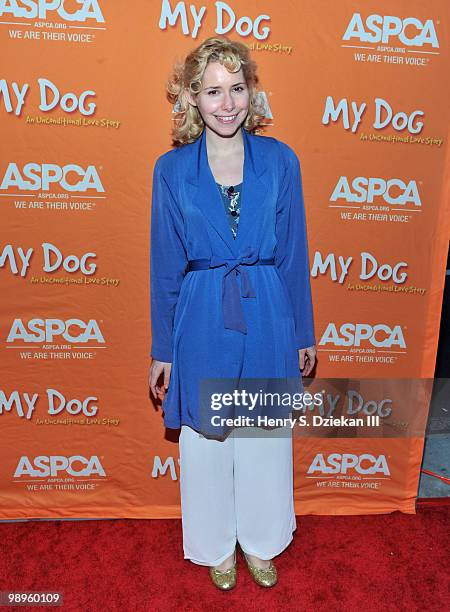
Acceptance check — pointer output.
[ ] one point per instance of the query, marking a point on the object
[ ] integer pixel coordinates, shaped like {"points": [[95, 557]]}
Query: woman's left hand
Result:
{"points": [[307, 359]]}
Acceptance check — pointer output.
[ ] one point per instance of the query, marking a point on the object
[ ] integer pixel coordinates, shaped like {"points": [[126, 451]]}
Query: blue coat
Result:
{"points": [[242, 308]]}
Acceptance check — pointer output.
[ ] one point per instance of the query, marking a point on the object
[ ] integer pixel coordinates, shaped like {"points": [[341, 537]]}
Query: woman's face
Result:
{"points": [[223, 101]]}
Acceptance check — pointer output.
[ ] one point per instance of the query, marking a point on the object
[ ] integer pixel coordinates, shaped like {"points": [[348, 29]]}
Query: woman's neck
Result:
{"points": [[220, 146]]}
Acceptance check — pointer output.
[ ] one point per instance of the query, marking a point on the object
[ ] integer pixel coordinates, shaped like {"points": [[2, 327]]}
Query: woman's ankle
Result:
{"points": [[257, 562], [226, 564]]}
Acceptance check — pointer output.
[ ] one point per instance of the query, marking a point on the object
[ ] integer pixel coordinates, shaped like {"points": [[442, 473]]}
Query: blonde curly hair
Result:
{"points": [[187, 75]]}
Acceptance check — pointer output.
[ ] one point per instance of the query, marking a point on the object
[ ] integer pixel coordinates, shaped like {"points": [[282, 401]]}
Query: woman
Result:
{"points": [[230, 300]]}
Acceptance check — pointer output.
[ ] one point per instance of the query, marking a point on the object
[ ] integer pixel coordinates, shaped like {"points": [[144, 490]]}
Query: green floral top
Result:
{"points": [[230, 196]]}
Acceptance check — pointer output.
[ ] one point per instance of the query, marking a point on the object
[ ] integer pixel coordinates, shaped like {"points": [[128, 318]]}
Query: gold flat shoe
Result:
{"points": [[264, 577], [224, 579]]}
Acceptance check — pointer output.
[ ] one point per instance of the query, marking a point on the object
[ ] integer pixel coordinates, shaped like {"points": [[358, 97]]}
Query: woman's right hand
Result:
{"points": [[156, 369]]}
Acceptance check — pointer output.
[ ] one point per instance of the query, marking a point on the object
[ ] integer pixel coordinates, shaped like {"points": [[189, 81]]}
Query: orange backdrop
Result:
{"points": [[363, 99]]}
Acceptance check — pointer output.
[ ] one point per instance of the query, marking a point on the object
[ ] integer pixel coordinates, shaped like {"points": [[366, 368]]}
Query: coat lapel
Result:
{"points": [[205, 194]]}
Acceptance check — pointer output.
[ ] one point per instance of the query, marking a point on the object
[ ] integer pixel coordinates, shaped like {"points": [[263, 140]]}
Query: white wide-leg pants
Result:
{"points": [[239, 489]]}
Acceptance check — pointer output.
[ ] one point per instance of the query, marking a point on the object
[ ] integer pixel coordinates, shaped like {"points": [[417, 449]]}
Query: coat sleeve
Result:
{"points": [[291, 255], [168, 261]]}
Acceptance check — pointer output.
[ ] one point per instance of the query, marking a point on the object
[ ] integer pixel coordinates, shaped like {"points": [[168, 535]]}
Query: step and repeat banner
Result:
{"points": [[360, 91]]}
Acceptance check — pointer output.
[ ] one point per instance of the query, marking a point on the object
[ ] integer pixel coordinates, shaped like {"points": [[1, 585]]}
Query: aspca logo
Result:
{"points": [[45, 9], [51, 330], [337, 463], [57, 465], [367, 190], [355, 334], [161, 468], [380, 29], [43, 177]]}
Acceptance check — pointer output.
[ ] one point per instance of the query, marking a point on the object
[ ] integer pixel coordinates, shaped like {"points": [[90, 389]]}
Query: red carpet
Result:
{"points": [[379, 563]]}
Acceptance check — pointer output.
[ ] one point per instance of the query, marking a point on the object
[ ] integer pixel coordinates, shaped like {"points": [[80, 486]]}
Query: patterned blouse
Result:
{"points": [[230, 196]]}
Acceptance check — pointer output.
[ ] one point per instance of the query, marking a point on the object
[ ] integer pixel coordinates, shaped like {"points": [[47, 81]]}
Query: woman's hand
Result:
{"points": [[156, 369], [307, 359]]}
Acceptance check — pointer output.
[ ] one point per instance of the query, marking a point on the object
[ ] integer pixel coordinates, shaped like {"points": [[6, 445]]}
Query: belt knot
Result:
{"points": [[233, 313]]}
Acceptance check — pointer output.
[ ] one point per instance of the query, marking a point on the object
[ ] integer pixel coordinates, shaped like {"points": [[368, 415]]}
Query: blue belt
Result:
{"points": [[233, 313]]}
